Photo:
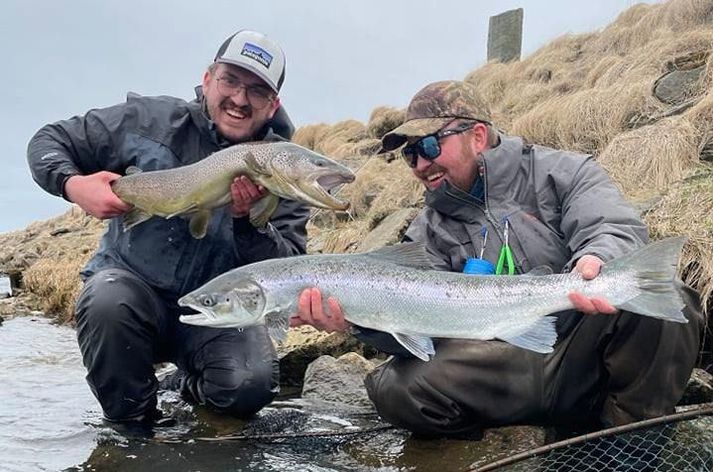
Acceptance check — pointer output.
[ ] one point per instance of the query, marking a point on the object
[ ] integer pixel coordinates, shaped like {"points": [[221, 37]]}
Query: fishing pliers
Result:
{"points": [[506, 264]]}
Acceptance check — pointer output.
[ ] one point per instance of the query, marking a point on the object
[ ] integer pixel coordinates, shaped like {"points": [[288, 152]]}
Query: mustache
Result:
{"points": [[246, 109]]}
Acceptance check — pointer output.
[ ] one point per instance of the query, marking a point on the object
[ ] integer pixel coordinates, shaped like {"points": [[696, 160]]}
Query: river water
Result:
{"points": [[49, 421]]}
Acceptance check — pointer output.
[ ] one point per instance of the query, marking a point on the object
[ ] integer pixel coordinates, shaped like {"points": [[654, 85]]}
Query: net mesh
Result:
{"points": [[679, 446]]}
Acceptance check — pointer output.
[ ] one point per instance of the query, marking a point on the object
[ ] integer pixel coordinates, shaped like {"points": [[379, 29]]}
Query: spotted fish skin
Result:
{"points": [[285, 169], [392, 290]]}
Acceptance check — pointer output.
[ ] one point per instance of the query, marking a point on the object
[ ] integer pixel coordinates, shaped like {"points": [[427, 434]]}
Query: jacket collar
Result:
{"points": [[502, 163]]}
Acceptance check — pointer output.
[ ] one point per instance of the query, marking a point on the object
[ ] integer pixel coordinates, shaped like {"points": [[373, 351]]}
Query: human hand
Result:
{"points": [[244, 194], [589, 267], [94, 195], [310, 311]]}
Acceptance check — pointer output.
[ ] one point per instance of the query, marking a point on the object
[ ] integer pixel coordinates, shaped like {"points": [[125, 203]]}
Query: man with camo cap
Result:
{"points": [[561, 210]]}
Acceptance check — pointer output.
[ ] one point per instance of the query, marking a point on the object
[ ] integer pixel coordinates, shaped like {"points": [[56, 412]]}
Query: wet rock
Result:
{"points": [[699, 388], [499, 443], [339, 380]]}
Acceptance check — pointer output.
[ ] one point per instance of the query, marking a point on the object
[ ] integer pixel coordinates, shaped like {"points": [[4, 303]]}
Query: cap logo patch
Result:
{"points": [[257, 53]]}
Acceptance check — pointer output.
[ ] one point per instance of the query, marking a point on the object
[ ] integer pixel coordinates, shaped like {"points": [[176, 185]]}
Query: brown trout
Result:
{"points": [[285, 169]]}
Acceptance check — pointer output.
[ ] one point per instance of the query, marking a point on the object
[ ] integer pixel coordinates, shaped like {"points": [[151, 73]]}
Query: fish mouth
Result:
{"points": [[317, 188], [327, 185], [203, 319]]}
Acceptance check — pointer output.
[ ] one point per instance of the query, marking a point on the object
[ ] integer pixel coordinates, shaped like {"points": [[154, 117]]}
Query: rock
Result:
{"points": [[338, 380], [699, 388], [390, 230], [306, 344], [676, 86], [58, 231], [501, 443]]}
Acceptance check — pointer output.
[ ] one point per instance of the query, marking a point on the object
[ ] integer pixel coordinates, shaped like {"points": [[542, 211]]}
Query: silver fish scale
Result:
{"points": [[379, 295]]}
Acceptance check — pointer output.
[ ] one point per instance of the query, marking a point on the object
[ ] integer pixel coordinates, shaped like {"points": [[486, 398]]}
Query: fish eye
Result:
{"points": [[207, 300]]}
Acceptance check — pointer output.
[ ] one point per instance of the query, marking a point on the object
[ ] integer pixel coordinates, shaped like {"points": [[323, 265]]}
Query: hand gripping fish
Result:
{"points": [[393, 290], [285, 169]]}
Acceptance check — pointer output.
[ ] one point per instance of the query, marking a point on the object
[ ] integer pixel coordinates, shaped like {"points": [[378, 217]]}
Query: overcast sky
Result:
{"points": [[62, 58]]}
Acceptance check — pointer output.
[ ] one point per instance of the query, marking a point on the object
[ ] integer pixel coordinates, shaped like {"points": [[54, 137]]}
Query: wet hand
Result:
{"points": [[244, 194], [94, 195], [310, 311], [589, 267]]}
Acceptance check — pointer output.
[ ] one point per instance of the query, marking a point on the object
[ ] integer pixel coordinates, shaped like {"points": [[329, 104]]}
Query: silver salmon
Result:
{"points": [[286, 169], [393, 290]]}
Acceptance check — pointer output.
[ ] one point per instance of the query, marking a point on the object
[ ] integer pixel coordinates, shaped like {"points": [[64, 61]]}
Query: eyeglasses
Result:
{"points": [[258, 95], [429, 147]]}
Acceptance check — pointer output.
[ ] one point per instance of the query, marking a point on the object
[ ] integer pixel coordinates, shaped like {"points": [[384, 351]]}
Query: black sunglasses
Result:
{"points": [[429, 147]]}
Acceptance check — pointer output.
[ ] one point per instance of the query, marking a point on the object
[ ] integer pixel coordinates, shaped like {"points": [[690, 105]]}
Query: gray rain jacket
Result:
{"points": [[154, 133], [560, 206]]}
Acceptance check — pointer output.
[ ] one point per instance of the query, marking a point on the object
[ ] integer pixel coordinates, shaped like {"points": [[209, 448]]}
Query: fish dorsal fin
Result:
{"points": [[255, 167], [411, 254], [539, 271], [540, 336], [419, 346], [277, 325], [131, 170]]}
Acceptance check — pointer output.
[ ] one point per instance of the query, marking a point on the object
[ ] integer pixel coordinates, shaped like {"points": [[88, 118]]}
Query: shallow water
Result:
{"points": [[47, 411], [50, 421]]}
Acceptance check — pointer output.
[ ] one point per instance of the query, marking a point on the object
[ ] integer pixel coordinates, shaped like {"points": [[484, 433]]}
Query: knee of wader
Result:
{"points": [[239, 392], [412, 403], [111, 297]]}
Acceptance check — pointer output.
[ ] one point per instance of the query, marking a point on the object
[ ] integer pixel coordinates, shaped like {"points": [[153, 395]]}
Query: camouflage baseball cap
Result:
{"points": [[433, 107]]}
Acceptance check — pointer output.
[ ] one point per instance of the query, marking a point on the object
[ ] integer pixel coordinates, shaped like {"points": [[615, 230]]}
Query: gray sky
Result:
{"points": [[62, 58]]}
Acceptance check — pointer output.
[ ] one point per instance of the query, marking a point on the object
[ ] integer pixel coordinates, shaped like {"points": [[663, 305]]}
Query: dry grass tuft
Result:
{"points": [[646, 161], [688, 209], [383, 120], [56, 281]]}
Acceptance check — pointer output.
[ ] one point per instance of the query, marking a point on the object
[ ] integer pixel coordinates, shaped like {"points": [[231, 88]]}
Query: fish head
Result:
{"points": [[297, 173], [225, 303]]}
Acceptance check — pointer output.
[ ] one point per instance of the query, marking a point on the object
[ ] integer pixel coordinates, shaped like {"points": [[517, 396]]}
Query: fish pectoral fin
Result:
{"points": [[134, 217], [263, 209], [277, 325], [198, 226], [539, 337], [132, 170], [190, 208], [419, 346], [255, 167]]}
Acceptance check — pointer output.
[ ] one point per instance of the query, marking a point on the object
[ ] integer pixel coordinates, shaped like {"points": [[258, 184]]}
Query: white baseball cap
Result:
{"points": [[257, 53]]}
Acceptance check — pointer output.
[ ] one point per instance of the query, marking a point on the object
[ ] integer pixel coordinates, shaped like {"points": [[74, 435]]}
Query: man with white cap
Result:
{"points": [[127, 317]]}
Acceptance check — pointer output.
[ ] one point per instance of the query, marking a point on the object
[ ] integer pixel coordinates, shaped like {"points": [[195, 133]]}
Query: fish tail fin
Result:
{"points": [[656, 274]]}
